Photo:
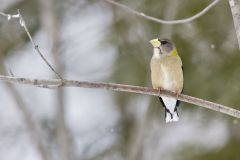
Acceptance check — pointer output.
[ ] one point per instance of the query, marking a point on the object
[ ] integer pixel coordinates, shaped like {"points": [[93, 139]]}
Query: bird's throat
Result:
{"points": [[157, 52]]}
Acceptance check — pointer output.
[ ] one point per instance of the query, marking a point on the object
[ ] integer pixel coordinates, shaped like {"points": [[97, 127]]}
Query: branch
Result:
{"points": [[57, 83], [180, 21], [23, 24], [235, 8]]}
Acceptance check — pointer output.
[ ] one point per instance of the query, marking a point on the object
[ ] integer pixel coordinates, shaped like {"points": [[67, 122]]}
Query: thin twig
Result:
{"points": [[9, 16], [57, 83], [23, 24], [3, 14], [235, 8], [180, 21], [10, 70]]}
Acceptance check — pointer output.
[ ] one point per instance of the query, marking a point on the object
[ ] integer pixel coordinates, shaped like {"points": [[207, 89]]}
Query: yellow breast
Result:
{"points": [[166, 73]]}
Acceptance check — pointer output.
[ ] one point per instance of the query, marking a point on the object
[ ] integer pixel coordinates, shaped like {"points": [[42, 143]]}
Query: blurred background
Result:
{"points": [[92, 40]]}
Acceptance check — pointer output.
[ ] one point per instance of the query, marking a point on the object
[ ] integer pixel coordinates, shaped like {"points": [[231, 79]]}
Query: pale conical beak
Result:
{"points": [[155, 43]]}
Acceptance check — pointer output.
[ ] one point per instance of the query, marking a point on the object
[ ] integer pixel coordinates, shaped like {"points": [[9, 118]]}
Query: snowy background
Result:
{"points": [[101, 43]]}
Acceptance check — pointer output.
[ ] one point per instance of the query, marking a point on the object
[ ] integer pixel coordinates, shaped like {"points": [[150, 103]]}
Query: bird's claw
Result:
{"points": [[177, 94], [159, 91]]}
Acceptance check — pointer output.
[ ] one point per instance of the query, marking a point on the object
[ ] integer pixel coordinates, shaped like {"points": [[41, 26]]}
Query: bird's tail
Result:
{"points": [[170, 104], [171, 117]]}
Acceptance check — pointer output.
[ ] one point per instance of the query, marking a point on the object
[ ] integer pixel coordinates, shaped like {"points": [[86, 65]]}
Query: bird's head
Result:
{"points": [[165, 46]]}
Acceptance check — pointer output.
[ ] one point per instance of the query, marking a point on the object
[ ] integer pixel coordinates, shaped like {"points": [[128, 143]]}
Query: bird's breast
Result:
{"points": [[167, 74]]}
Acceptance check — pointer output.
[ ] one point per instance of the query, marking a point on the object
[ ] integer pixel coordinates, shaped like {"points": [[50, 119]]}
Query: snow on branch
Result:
{"points": [[57, 83]]}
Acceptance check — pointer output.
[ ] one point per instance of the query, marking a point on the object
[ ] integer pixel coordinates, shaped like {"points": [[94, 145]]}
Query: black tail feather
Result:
{"points": [[161, 101], [167, 111]]}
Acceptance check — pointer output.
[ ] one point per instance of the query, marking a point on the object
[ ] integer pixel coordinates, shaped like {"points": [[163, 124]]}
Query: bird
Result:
{"points": [[167, 74]]}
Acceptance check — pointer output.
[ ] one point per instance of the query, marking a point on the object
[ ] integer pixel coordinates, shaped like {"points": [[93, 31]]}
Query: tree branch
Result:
{"points": [[23, 24], [57, 83], [180, 21], [3, 14], [235, 8]]}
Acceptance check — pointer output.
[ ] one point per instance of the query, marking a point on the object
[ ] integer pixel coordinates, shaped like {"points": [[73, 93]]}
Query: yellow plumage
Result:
{"points": [[167, 74]]}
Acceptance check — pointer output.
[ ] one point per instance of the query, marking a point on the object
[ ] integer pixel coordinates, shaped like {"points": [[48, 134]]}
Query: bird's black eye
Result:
{"points": [[164, 42]]}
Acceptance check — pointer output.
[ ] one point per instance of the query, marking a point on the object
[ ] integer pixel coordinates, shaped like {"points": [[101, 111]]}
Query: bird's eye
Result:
{"points": [[164, 42]]}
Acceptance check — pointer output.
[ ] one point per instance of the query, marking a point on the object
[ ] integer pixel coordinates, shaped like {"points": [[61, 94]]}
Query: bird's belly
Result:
{"points": [[172, 78], [169, 83], [167, 78]]}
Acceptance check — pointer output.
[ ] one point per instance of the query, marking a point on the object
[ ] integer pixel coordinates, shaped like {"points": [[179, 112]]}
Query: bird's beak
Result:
{"points": [[155, 43]]}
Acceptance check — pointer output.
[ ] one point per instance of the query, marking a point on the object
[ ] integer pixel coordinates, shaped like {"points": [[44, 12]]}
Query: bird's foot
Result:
{"points": [[177, 94], [159, 91]]}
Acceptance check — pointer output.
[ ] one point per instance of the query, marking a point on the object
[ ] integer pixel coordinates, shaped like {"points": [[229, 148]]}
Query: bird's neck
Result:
{"points": [[156, 53]]}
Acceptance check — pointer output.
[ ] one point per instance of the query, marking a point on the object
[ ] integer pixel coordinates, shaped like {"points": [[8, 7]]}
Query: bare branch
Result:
{"points": [[180, 21], [9, 16], [235, 8], [57, 83], [23, 24], [3, 14]]}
